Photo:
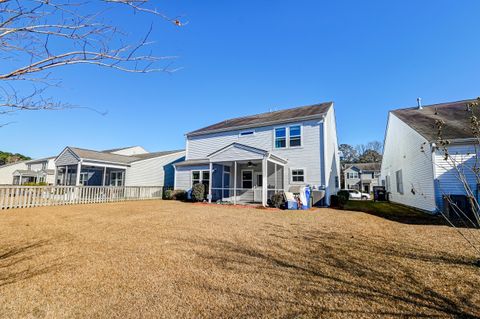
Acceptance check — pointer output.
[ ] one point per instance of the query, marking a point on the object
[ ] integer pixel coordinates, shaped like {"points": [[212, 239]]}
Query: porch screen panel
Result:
{"points": [[279, 173], [270, 175]]}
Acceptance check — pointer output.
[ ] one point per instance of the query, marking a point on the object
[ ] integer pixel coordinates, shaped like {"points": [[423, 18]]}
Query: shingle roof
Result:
{"points": [[365, 166], [200, 161], [156, 154], [119, 149], [269, 118], [454, 114], [102, 156], [116, 158]]}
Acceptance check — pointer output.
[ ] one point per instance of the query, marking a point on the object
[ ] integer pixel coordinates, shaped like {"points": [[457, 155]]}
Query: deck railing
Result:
{"points": [[35, 196]]}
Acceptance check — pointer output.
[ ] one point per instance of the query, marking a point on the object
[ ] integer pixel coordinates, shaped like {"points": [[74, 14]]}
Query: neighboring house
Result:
{"points": [[362, 176], [414, 170], [31, 171], [130, 166], [248, 159]]}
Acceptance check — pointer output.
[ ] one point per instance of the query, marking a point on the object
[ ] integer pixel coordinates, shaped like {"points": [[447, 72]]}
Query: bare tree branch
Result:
{"points": [[40, 36]]}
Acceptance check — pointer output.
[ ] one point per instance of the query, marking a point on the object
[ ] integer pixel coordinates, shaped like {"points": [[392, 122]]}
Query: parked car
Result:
{"points": [[354, 194]]}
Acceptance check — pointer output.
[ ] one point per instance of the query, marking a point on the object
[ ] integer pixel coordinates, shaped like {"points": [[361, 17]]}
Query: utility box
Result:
{"points": [[380, 194]]}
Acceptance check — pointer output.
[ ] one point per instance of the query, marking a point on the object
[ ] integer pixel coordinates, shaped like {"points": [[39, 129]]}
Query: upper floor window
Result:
{"points": [[247, 133], [352, 175], [281, 137], [44, 165], [292, 133], [295, 136]]}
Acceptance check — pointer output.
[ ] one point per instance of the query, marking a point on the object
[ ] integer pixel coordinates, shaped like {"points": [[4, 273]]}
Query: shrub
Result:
{"points": [[179, 194], [168, 194], [35, 184], [198, 192], [278, 200]]}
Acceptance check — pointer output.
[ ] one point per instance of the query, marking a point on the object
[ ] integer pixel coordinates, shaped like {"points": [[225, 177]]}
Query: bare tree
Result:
{"points": [[40, 36], [465, 167]]}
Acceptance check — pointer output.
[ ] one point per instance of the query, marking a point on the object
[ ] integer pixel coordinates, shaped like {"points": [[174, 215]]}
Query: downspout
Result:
{"points": [[323, 165]]}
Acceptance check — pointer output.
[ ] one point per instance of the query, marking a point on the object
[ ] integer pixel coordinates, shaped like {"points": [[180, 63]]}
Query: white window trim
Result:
{"points": [[304, 175], [122, 179], [287, 136], [252, 180], [247, 135], [200, 180], [301, 136]]}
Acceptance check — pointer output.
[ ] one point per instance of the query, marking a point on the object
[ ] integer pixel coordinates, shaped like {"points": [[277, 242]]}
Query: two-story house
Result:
{"points": [[248, 159], [362, 176], [31, 171]]}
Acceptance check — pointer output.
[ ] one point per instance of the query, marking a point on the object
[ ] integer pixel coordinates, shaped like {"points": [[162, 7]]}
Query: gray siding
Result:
{"points": [[403, 151], [153, 172], [306, 157], [66, 158], [183, 176]]}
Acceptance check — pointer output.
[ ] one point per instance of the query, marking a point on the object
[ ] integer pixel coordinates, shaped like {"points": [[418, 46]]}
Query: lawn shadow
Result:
{"points": [[20, 262], [331, 267], [396, 212]]}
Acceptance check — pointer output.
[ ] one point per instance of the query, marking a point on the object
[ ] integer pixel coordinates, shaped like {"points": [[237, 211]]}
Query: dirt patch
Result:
{"points": [[170, 259]]}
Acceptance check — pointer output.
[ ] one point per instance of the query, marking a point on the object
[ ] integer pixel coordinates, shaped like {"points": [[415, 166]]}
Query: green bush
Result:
{"points": [[168, 194], [179, 194], [35, 184], [176, 194], [198, 192], [278, 200]]}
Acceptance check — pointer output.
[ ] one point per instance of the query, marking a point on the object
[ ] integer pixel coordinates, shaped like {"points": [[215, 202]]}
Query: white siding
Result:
{"points": [[332, 160], [307, 157], [403, 150], [156, 171], [6, 172], [66, 158], [447, 177], [131, 151]]}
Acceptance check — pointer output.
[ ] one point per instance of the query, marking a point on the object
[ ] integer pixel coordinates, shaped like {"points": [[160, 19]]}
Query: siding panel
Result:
{"points": [[403, 150]]}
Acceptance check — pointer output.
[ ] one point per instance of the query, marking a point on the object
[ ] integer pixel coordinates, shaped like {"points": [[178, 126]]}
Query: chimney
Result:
{"points": [[419, 103]]}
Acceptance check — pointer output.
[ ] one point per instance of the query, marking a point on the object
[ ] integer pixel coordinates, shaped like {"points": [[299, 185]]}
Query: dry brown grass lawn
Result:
{"points": [[170, 259]]}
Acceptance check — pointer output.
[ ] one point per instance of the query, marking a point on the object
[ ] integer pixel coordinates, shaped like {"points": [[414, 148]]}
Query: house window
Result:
{"points": [[116, 178], [201, 177], [280, 137], [295, 136], [247, 179], [399, 178], [352, 175], [337, 184], [44, 165], [247, 133], [298, 175]]}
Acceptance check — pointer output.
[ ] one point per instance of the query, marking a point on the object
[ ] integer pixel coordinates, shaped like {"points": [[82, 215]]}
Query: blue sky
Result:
{"points": [[247, 57]]}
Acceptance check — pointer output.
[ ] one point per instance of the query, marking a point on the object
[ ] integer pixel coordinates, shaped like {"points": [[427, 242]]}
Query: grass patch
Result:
{"points": [[394, 212]]}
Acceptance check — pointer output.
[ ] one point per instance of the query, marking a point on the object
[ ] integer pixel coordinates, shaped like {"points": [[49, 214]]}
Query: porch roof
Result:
{"points": [[233, 152]]}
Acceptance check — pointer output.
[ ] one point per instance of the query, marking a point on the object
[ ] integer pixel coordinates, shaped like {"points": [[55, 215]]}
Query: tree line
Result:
{"points": [[361, 153]]}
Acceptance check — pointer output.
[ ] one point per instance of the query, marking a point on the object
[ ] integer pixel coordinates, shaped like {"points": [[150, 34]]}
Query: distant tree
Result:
{"points": [[348, 153], [40, 36], [370, 156], [8, 158]]}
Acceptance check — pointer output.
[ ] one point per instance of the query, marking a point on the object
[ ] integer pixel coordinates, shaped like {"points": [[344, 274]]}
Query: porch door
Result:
{"points": [[258, 187]]}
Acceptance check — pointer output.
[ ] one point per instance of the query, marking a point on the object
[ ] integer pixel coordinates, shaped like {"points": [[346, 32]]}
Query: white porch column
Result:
{"points": [[104, 176], [55, 176], [79, 168], [264, 182], [210, 183], [234, 182], [65, 177]]}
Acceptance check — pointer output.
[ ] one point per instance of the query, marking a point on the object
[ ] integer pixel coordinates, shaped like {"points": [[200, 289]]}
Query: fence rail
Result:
{"points": [[36, 196]]}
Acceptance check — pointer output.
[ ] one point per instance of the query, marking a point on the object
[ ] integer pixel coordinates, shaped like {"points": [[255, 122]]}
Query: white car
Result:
{"points": [[354, 194]]}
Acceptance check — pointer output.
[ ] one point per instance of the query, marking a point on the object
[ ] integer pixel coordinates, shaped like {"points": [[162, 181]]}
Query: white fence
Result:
{"points": [[35, 196]]}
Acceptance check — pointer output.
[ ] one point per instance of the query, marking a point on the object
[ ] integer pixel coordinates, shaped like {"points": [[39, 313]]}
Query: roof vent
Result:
{"points": [[419, 103]]}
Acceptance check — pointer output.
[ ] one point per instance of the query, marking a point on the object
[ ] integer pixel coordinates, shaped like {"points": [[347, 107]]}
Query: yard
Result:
{"points": [[170, 259]]}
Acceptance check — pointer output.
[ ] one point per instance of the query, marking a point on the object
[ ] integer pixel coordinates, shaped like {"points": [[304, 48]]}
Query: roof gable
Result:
{"points": [[265, 119], [237, 151]]}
